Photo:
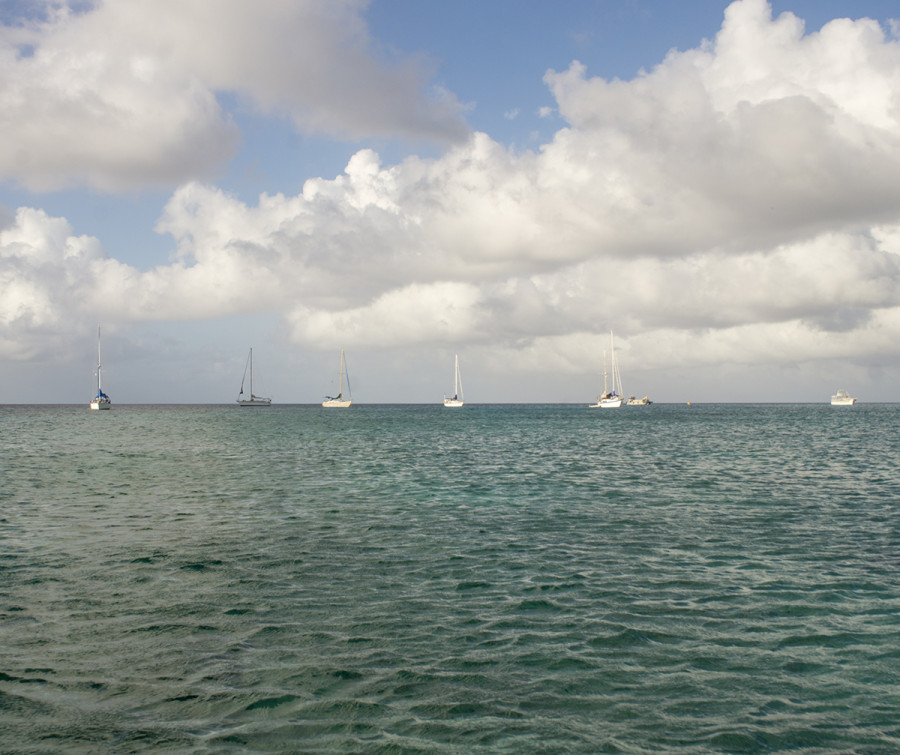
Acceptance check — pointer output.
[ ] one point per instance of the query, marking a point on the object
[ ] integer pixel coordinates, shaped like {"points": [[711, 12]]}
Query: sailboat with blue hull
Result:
{"points": [[101, 400]]}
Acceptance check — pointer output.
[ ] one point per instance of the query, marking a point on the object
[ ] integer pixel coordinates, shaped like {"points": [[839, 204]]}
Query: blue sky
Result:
{"points": [[714, 181]]}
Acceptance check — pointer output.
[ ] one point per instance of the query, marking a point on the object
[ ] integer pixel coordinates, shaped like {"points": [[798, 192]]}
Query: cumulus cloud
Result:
{"points": [[737, 203], [124, 94], [763, 132], [45, 271]]}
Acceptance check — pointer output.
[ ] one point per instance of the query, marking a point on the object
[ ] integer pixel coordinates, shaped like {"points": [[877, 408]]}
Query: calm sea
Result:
{"points": [[413, 579]]}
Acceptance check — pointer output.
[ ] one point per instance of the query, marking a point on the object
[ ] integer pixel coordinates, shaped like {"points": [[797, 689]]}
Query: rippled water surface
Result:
{"points": [[716, 578]]}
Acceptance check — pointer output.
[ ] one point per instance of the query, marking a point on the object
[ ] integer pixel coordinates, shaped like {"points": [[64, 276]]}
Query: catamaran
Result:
{"points": [[101, 400], [610, 399], [339, 401], [254, 400], [457, 398]]}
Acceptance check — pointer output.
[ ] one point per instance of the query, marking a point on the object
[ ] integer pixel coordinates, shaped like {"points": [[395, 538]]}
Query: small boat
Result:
{"points": [[842, 398], [101, 400], [610, 399], [254, 400], [456, 399], [339, 401], [632, 401]]}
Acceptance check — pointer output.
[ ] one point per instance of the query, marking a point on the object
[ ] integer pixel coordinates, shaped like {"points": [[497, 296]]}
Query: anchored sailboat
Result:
{"points": [[254, 400], [457, 398], [339, 401], [610, 399], [101, 400]]}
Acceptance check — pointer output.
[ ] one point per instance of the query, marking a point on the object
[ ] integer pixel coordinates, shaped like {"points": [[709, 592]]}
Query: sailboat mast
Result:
{"points": [[617, 378], [341, 388], [604, 372], [99, 361], [251, 372], [612, 359]]}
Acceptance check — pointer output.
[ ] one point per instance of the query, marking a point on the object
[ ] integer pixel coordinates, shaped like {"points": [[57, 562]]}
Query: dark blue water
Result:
{"points": [[716, 578]]}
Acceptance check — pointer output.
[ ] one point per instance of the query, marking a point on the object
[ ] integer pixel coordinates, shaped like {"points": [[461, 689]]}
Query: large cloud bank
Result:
{"points": [[740, 198]]}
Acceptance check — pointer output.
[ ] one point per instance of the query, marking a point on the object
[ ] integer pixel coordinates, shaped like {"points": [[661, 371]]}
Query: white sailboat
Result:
{"points": [[253, 400], [842, 398], [610, 399], [101, 400], [339, 401], [456, 399]]}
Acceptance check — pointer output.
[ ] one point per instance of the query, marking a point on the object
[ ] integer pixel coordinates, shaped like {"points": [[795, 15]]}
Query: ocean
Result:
{"points": [[415, 579]]}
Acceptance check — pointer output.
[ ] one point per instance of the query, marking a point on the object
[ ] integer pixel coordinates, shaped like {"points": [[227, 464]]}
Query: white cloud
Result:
{"points": [[124, 94], [44, 273], [433, 313], [738, 204], [762, 134]]}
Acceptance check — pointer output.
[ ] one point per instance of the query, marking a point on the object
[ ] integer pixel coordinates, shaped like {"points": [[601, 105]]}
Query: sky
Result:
{"points": [[716, 185]]}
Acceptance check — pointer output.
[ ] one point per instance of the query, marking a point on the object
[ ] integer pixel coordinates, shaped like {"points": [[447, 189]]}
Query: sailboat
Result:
{"points": [[254, 400], [610, 399], [457, 398], [101, 400], [339, 401]]}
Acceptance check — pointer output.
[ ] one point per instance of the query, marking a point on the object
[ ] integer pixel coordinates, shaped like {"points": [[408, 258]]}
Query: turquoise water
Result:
{"points": [[712, 578]]}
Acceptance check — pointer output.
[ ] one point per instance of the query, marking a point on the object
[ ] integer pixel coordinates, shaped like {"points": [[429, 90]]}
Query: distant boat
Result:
{"points": [[842, 398], [254, 400], [339, 401], [632, 401], [101, 400], [457, 398], [610, 399]]}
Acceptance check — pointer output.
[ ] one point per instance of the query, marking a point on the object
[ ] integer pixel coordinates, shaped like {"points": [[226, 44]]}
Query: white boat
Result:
{"points": [[457, 398], [253, 400], [101, 400], [610, 398], [632, 401], [842, 398], [339, 401]]}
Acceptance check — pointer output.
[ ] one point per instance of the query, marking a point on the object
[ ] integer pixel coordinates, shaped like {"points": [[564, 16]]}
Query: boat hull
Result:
{"points": [[336, 404], [453, 403], [255, 402], [100, 404], [842, 398], [606, 403]]}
